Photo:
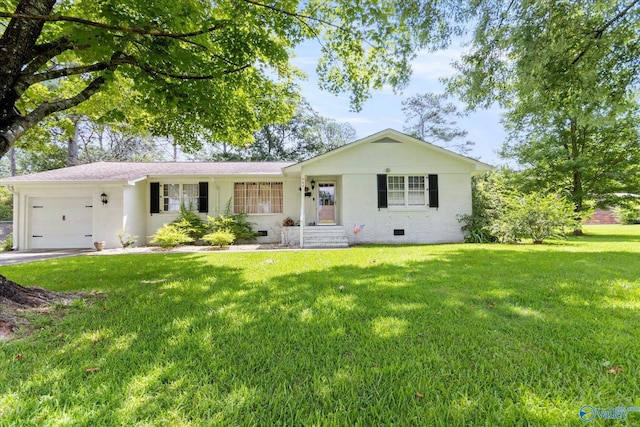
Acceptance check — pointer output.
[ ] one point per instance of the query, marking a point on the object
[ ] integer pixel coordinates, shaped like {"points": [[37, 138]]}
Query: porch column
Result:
{"points": [[303, 180]]}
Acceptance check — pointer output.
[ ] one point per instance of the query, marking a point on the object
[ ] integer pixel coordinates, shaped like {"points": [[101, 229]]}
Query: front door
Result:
{"points": [[326, 203]]}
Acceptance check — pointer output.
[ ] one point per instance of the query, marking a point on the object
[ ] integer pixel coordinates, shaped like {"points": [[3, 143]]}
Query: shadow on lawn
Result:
{"points": [[478, 333]]}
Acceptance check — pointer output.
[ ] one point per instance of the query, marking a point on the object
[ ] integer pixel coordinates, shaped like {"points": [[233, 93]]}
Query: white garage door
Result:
{"points": [[60, 222]]}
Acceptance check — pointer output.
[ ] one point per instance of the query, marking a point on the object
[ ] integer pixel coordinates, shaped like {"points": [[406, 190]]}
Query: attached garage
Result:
{"points": [[60, 222]]}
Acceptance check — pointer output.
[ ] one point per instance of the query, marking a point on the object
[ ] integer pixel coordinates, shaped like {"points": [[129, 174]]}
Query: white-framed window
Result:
{"points": [[407, 191], [257, 197], [191, 196], [176, 195]]}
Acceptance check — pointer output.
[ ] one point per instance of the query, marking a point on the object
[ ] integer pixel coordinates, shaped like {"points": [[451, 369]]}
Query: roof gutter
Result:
{"points": [[137, 180]]}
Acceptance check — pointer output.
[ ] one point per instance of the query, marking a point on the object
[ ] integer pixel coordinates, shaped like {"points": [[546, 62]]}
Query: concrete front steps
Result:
{"points": [[325, 236]]}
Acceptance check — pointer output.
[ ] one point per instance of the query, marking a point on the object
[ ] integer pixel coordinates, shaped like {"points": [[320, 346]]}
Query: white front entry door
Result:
{"points": [[326, 203]]}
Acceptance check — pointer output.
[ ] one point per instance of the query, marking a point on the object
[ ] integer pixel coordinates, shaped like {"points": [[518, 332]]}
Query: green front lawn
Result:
{"points": [[410, 335]]}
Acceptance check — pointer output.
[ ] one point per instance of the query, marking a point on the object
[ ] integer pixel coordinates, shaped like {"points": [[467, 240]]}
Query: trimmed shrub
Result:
{"points": [[219, 238], [169, 236], [191, 223], [236, 224]]}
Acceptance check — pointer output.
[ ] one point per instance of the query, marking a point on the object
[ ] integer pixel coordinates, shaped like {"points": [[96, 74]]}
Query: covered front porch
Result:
{"points": [[320, 223]]}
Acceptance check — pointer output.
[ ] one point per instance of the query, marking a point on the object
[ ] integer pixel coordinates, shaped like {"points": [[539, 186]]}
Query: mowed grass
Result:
{"points": [[380, 335]]}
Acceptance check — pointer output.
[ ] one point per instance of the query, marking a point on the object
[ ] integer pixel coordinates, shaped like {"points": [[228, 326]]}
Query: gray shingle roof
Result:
{"points": [[128, 171]]}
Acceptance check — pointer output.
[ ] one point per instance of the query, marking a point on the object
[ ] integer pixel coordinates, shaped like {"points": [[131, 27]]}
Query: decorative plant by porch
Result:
{"points": [[126, 239], [288, 222]]}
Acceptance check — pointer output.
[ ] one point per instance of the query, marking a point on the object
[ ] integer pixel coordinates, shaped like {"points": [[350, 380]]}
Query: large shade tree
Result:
{"points": [[567, 75], [202, 70], [96, 130], [431, 118], [305, 135]]}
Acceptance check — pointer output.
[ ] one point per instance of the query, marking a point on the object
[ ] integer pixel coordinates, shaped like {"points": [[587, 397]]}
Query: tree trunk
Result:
{"points": [[73, 146], [16, 47], [577, 144], [18, 52], [13, 294], [15, 299], [12, 160]]}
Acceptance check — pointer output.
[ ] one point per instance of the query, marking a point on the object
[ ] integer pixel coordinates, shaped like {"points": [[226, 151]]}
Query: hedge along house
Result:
{"points": [[401, 189]]}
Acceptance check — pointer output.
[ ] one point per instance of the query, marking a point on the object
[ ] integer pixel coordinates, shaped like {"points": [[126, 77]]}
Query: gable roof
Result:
{"points": [[134, 171], [390, 135]]}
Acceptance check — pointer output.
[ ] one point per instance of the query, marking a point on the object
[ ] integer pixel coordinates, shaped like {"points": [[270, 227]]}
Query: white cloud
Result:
{"points": [[435, 65]]}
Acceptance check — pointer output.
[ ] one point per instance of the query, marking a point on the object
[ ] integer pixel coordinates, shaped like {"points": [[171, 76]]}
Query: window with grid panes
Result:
{"points": [[407, 191], [175, 195], [257, 197], [171, 197]]}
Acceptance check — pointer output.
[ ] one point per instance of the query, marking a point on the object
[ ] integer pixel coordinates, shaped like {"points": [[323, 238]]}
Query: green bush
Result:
{"points": [[486, 192], [127, 240], [629, 214], [7, 244], [169, 236], [6, 205], [219, 238], [191, 223], [533, 216], [236, 224]]}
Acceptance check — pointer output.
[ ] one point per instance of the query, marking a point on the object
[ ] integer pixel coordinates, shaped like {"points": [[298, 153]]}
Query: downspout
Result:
{"points": [[303, 180], [217, 190]]}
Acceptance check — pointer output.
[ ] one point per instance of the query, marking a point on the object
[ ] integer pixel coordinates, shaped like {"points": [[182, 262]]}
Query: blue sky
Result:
{"points": [[383, 109]]}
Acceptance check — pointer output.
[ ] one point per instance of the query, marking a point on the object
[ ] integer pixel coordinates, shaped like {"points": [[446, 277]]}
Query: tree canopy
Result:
{"points": [[305, 135], [430, 118], [201, 70], [567, 75]]}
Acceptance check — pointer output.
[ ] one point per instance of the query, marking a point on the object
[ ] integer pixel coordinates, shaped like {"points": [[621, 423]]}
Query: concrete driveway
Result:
{"points": [[20, 257]]}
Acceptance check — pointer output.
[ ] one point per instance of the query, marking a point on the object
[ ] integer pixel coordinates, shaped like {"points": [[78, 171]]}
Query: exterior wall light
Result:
{"points": [[104, 198]]}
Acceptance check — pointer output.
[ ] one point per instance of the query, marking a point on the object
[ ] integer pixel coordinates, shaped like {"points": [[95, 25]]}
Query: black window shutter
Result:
{"points": [[382, 191], [154, 202], [433, 191], [203, 200]]}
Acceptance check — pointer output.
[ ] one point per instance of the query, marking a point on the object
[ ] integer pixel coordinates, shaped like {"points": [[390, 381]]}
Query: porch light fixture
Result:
{"points": [[104, 199], [313, 184]]}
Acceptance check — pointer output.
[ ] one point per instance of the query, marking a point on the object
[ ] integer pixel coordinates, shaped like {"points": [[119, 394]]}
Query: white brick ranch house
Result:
{"points": [[403, 190]]}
